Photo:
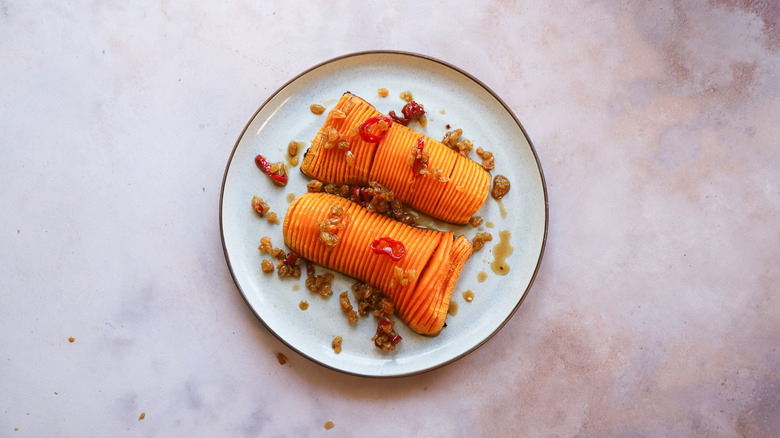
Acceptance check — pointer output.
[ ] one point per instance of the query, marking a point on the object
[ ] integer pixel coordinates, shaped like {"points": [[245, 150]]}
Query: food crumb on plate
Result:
{"points": [[142, 416], [329, 425], [281, 358]]}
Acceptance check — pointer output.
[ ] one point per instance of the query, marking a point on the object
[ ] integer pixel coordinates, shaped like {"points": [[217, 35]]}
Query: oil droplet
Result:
{"points": [[501, 207], [482, 276], [468, 296], [489, 224], [290, 197], [296, 287], [501, 251], [329, 425], [303, 305], [453, 308]]}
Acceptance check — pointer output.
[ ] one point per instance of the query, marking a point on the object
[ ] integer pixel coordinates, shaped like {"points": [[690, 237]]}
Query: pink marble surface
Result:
{"points": [[655, 311]]}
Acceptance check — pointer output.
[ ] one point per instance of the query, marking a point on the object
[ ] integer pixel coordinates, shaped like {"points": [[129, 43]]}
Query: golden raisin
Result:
{"points": [[267, 266], [382, 92], [292, 148], [336, 344], [407, 96], [317, 109]]}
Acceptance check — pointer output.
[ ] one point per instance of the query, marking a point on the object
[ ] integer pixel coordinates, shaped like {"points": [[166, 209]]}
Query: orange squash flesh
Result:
{"points": [[386, 162], [332, 162], [461, 251], [434, 255]]}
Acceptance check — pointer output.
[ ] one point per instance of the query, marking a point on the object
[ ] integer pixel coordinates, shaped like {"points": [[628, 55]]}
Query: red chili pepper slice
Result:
{"points": [[396, 339], [356, 193], [264, 165], [291, 258], [413, 110], [389, 247], [309, 269], [405, 121], [418, 160], [365, 129]]}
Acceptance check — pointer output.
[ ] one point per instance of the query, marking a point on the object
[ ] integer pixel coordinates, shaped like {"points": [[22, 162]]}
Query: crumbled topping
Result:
{"points": [[259, 205], [336, 344], [480, 239], [452, 140], [500, 187], [330, 226], [488, 161], [346, 307], [319, 284]]}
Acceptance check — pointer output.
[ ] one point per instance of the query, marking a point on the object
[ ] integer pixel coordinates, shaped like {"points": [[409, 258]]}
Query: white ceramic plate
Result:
{"points": [[450, 96]]}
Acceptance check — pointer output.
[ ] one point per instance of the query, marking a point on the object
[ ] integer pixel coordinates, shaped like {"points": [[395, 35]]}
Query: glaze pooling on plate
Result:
{"points": [[451, 97]]}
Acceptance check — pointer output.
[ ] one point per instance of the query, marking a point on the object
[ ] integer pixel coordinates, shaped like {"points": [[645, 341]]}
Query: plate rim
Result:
{"points": [[425, 58]]}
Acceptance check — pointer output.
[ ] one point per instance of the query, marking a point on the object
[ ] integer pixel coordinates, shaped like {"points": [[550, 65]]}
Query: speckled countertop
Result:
{"points": [[655, 311]]}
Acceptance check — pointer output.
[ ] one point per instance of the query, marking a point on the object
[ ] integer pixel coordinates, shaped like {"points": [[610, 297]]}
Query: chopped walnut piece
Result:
{"points": [[346, 307], [386, 338], [336, 344], [259, 205], [272, 217], [335, 221], [476, 221], [480, 239], [500, 187], [317, 109], [383, 92], [383, 200], [314, 186], [265, 244], [438, 175], [452, 139], [371, 299], [267, 266], [278, 253], [488, 161], [402, 277], [290, 266], [319, 284], [337, 189]]}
